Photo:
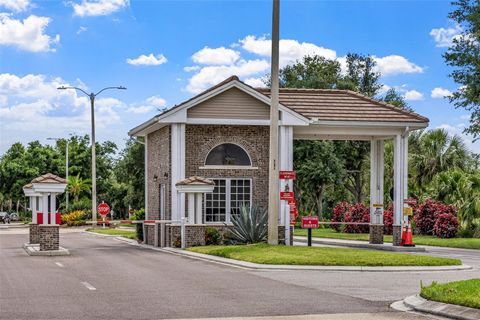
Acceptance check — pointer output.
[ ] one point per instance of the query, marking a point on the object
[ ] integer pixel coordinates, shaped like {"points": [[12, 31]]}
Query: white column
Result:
{"points": [[53, 210], [199, 207], [404, 190], [178, 169], [45, 208], [146, 176], [377, 169], [33, 208], [397, 180], [191, 208], [286, 163]]}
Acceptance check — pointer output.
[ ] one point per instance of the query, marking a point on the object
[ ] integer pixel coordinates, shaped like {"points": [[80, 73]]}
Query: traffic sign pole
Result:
{"points": [[309, 237]]}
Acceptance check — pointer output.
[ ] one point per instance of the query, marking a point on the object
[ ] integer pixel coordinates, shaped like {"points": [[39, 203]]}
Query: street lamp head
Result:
{"points": [[122, 88], [62, 88]]}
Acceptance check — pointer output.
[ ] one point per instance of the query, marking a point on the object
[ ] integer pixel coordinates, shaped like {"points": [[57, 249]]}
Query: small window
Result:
{"points": [[228, 196], [228, 154]]}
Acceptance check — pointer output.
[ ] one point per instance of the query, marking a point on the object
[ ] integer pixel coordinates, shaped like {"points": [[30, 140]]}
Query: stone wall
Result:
{"points": [[49, 237], [376, 233], [34, 233], [149, 234], [158, 160], [200, 139]]}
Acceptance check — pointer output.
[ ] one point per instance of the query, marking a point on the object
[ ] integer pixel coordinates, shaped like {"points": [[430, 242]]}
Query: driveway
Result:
{"points": [[109, 279]]}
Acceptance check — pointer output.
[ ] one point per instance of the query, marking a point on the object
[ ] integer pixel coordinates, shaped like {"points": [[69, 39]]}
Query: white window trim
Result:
{"points": [[228, 210], [215, 167]]}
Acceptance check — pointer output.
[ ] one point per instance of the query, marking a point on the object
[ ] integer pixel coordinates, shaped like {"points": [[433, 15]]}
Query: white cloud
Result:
{"points": [[458, 130], [150, 60], [440, 93], [255, 82], [289, 50], [28, 34], [140, 109], [395, 64], [216, 56], [98, 7], [211, 75], [156, 101], [444, 36], [413, 95], [15, 5], [191, 68], [35, 109], [384, 89], [81, 29]]}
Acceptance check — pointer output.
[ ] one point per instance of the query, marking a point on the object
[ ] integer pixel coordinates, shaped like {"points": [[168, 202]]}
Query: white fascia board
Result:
{"points": [[49, 187], [340, 132], [403, 125], [245, 122], [138, 130], [30, 193], [199, 188]]}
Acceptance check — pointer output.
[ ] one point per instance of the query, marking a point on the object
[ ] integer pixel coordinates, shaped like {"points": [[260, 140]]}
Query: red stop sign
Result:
{"points": [[103, 209]]}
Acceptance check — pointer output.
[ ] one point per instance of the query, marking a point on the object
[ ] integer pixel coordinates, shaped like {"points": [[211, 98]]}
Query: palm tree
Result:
{"points": [[436, 151], [77, 185]]}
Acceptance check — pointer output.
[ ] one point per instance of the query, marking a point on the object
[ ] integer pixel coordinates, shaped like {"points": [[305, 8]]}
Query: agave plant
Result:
{"points": [[249, 225]]}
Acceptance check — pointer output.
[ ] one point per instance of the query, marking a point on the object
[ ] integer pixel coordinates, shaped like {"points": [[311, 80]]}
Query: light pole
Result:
{"points": [[92, 97], [273, 184], [66, 166]]}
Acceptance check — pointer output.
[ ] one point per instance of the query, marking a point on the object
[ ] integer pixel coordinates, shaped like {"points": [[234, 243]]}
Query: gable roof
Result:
{"points": [[195, 180], [341, 105], [49, 178], [310, 105]]}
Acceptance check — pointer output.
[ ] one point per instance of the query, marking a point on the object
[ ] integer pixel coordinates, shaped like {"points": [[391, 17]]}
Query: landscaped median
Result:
{"points": [[130, 234], [465, 243], [463, 293], [320, 256]]}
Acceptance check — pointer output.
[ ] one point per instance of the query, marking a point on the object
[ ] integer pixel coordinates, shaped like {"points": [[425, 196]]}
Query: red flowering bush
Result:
{"points": [[446, 225], [339, 213], [425, 217], [357, 213], [388, 220]]}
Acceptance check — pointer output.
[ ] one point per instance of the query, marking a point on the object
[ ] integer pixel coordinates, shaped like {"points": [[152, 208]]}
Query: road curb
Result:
{"points": [[452, 311], [111, 236], [270, 267]]}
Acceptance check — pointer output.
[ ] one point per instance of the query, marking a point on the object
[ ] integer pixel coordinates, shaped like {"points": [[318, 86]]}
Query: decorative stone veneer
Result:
{"points": [[397, 235], [49, 237], [149, 234], [200, 139], [34, 233], [281, 234], [376, 233], [158, 164]]}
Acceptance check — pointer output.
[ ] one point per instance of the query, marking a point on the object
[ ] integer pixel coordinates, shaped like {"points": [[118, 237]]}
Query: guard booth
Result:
{"points": [[44, 228]]}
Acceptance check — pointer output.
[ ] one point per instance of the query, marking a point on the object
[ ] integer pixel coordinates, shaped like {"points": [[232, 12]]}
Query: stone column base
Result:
{"points": [[397, 235], [376, 233], [49, 237], [34, 233], [281, 235]]}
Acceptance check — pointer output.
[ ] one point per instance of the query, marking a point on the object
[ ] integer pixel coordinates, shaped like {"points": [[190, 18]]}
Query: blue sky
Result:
{"points": [[166, 51]]}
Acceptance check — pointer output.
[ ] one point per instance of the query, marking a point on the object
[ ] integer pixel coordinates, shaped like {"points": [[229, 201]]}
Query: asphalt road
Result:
{"points": [[108, 279]]}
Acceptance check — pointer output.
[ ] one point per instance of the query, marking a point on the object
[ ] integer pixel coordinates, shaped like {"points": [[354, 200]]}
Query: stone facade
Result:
{"points": [[34, 233], [149, 234], [397, 235], [158, 162], [49, 237], [200, 139], [281, 234], [376, 233]]}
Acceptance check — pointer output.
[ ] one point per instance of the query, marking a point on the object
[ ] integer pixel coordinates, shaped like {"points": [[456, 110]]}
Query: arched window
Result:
{"points": [[228, 154]]}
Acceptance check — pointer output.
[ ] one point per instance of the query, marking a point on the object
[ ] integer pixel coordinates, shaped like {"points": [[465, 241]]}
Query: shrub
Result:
{"points": [[139, 215], [338, 215], [357, 213], [388, 219], [83, 204], [249, 225], [212, 236], [424, 217], [446, 225], [72, 216]]}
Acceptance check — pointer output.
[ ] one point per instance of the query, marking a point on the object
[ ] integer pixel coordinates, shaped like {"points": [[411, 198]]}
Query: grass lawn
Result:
{"points": [[465, 293], [115, 232], [466, 243], [319, 256]]}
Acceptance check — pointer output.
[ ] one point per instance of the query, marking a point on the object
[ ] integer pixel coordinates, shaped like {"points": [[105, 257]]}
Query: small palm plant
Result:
{"points": [[249, 225]]}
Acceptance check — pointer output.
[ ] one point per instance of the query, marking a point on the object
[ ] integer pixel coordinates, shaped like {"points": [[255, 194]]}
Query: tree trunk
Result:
{"points": [[320, 192]]}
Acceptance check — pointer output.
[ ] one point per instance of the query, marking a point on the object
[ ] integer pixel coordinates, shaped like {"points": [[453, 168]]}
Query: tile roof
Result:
{"points": [[341, 105], [195, 180], [48, 178]]}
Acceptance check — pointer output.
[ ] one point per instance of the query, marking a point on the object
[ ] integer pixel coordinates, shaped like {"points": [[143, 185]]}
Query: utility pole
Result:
{"points": [[67, 141], [273, 184], [92, 97]]}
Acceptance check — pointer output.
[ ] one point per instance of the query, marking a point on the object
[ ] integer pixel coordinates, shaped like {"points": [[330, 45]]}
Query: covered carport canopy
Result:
{"points": [[346, 115]]}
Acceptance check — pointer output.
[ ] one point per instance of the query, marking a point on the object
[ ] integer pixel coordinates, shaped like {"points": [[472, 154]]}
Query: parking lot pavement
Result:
{"points": [[108, 279]]}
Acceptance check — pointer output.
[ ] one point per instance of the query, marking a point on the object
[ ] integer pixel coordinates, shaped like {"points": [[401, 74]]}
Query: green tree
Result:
{"points": [[361, 74], [394, 98], [464, 56]]}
